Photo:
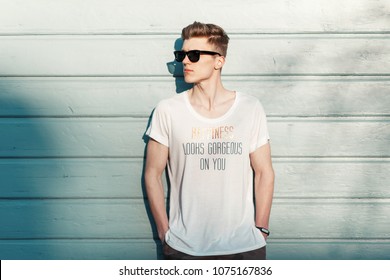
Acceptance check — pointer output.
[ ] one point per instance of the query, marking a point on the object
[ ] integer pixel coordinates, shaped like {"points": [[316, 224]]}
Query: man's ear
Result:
{"points": [[219, 63]]}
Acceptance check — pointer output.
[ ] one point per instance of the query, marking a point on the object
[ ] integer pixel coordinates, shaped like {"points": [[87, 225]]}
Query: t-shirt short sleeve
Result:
{"points": [[159, 126], [260, 134]]}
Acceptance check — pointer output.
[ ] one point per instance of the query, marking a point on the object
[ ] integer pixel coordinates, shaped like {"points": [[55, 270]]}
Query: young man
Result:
{"points": [[216, 145]]}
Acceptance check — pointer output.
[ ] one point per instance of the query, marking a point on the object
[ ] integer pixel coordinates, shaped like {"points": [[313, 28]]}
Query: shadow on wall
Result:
{"points": [[24, 210], [176, 70]]}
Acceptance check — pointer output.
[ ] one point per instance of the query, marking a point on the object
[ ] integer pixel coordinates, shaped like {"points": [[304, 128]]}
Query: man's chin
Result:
{"points": [[189, 80]]}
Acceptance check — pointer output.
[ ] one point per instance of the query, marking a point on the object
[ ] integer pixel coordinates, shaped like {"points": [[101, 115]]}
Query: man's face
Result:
{"points": [[204, 69]]}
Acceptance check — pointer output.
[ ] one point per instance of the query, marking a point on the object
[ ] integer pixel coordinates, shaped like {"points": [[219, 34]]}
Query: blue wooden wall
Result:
{"points": [[79, 79]]}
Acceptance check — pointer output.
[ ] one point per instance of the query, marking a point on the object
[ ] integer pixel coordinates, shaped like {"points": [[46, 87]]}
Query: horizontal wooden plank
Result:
{"points": [[126, 218], [83, 96], [101, 249], [72, 178], [122, 178], [120, 137], [123, 137], [328, 249], [326, 137], [338, 178], [146, 249], [152, 55], [333, 218], [281, 96], [84, 218], [93, 16]]}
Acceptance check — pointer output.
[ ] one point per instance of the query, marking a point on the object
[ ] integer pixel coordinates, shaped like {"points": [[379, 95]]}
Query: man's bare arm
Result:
{"points": [[156, 161], [264, 184]]}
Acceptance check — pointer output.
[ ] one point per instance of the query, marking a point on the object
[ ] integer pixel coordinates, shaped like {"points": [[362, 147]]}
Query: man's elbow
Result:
{"points": [[266, 177], [151, 177]]}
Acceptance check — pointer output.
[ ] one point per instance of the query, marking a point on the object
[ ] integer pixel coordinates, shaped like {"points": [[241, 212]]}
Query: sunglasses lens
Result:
{"points": [[193, 56], [179, 56]]}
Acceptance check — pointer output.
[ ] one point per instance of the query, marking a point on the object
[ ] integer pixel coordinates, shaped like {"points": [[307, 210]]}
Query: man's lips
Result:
{"points": [[188, 70]]}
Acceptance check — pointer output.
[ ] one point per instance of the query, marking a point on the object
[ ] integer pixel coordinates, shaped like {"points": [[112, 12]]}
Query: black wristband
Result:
{"points": [[264, 230]]}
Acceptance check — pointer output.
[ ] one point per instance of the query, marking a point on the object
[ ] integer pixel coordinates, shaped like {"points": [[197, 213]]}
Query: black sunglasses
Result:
{"points": [[193, 55]]}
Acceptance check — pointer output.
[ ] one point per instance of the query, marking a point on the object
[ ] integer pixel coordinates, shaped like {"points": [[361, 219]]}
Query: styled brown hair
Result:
{"points": [[215, 34]]}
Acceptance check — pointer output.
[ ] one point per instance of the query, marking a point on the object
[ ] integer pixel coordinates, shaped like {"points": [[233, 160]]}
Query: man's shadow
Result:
{"points": [[176, 70]]}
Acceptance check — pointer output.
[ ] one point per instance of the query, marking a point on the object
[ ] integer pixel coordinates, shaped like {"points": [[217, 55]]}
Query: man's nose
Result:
{"points": [[186, 60]]}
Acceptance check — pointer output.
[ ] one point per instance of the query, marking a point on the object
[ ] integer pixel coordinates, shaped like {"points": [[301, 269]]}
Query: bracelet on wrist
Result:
{"points": [[264, 230]]}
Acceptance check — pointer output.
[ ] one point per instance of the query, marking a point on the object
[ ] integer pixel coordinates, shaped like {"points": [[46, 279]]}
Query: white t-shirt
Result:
{"points": [[211, 197]]}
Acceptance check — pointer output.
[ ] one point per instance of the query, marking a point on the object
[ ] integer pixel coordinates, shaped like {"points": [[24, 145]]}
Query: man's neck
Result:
{"points": [[208, 94], [211, 100]]}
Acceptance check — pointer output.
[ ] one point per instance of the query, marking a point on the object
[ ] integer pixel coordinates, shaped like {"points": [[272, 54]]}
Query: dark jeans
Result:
{"points": [[172, 254]]}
